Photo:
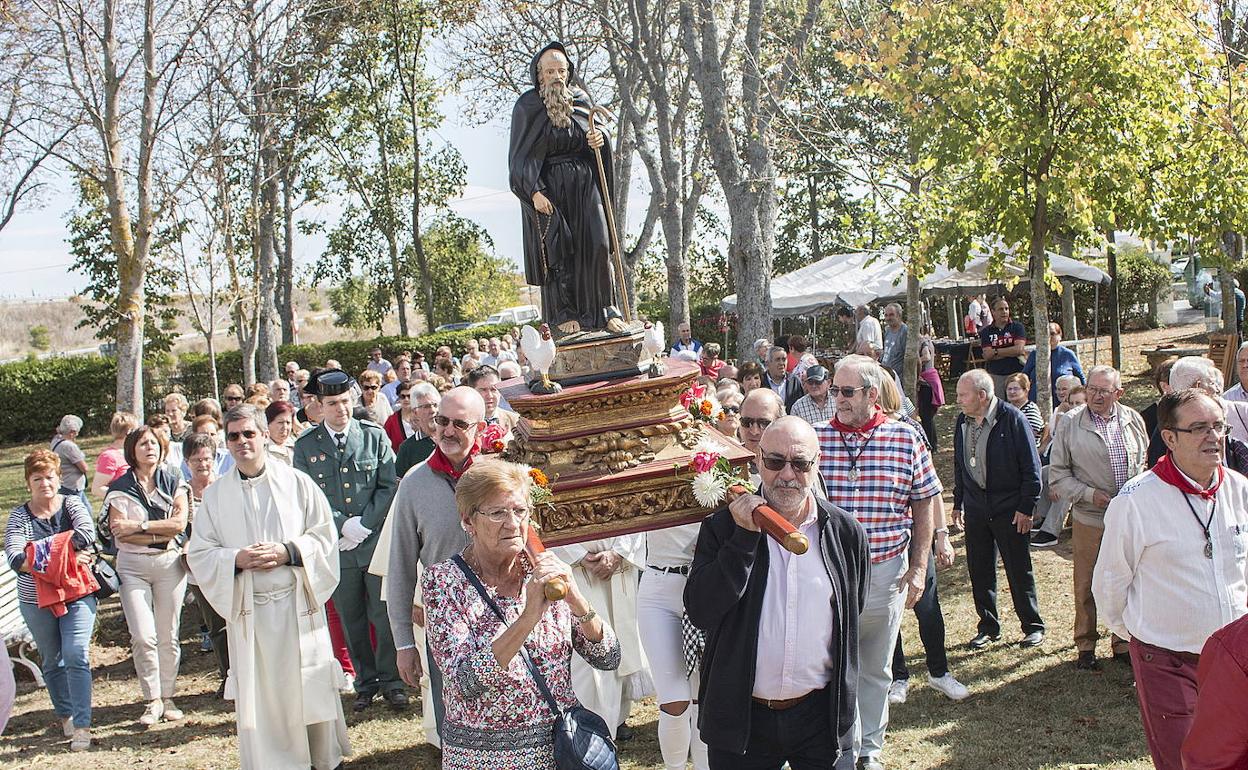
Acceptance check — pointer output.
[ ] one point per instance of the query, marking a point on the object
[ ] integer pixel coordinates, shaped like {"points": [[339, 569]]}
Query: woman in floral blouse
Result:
{"points": [[495, 717]]}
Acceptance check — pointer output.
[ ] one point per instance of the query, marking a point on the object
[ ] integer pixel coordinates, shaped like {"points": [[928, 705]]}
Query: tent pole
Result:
{"points": [[1096, 323]]}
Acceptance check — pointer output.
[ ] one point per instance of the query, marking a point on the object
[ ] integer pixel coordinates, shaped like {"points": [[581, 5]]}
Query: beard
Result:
{"points": [[558, 100]]}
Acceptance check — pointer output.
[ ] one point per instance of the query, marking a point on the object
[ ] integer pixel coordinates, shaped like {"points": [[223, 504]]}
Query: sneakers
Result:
{"points": [[172, 712], [152, 714], [67, 727], [1043, 540], [898, 690], [982, 640], [1034, 639], [81, 739], [950, 687]]}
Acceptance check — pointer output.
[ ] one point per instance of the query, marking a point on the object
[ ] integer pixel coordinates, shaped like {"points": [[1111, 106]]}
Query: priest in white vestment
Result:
{"points": [[607, 572], [264, 551]]}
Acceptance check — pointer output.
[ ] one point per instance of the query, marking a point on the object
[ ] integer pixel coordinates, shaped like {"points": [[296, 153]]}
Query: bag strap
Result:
{"points": [[524, 652]]}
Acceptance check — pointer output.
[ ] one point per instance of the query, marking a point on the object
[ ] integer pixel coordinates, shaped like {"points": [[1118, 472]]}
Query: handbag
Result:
{"points": [[582, 739], [106, 575]]}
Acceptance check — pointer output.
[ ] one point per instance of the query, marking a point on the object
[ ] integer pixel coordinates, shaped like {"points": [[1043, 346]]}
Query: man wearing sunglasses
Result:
{"points": [[780, 668], [881, 472], [264, 552], [353, 464], [425, 526]]}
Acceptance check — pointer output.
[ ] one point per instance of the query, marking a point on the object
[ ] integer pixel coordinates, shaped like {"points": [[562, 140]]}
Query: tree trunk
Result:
{"points": [[812, 206], [286, 259], [1115, 327], [1040, 303], [266, 337], [914, 319], [1233, 245], [212, 360]]}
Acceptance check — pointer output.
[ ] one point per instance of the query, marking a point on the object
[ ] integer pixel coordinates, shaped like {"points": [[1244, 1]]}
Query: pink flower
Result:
{"points": [[704, 461]]}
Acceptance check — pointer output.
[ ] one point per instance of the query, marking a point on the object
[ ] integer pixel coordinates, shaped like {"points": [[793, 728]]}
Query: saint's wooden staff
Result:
{"points": [[776, 526]]}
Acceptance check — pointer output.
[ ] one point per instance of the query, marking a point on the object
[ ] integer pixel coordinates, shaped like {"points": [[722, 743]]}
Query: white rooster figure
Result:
{"points": [[539, 349], [653, 342]]}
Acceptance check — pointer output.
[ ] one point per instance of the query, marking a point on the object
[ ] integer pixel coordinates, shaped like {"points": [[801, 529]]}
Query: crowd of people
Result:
{"points": [[345, 533]]}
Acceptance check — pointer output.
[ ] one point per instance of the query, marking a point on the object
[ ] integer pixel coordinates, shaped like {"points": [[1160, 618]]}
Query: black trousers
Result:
{"points": [[931, 630], [985, 537], [927, 413], [799, 736], [216, 631]]}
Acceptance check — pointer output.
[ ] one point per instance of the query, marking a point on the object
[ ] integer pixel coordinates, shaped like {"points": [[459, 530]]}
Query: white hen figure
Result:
{"points": [[539, 349], [653, 342]]}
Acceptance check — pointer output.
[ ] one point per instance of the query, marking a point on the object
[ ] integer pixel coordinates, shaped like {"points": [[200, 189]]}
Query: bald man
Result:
{"points": [[780, 670], [426, 528]]}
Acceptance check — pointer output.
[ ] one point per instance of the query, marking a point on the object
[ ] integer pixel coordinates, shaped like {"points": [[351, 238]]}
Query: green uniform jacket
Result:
{"points": [[359, 482]]}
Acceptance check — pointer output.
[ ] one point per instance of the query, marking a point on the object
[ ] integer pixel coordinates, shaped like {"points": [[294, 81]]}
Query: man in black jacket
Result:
{"points": [[787, 386], [996, 479], [780, 671]]}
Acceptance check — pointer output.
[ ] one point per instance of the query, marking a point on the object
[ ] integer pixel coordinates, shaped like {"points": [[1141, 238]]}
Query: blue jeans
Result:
{"points": [[64, 644]]}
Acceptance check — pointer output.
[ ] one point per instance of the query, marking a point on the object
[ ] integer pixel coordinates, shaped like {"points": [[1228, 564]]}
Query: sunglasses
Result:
{"points": [[371, 387], [754, 422], [233, 398], [846, 391], [462, 425], [732, 410], [235, 435], [798, 464]]}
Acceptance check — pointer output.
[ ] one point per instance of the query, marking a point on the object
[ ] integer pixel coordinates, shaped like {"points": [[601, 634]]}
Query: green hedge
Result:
{"points": [[38, 392]]}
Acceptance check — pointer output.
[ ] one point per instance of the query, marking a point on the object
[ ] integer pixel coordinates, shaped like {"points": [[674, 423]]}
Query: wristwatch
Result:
{"points": [[143, 525]]}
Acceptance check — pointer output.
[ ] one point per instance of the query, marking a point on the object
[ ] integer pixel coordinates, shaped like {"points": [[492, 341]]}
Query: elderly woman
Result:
{"points": [[73, 461], [495, 717], [728, 421], [1017, 386], [112, 461], [379, 409], [175, 406], [281, 417], [64, 640], [147, 513], [200, 451]]}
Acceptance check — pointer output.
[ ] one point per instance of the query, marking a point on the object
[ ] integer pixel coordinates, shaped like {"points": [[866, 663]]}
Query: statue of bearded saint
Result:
{"points": [[555, 176]]}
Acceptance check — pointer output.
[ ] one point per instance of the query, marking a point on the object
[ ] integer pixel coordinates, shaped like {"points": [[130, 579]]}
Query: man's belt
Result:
{"points": [[555, 160], [784, 703], [682, 570]]}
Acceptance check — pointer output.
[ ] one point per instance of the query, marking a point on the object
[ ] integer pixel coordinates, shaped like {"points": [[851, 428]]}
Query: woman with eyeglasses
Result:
{"points": [[379, 409], [729, 418], [402, 423], [495, 714], [147, 511]]}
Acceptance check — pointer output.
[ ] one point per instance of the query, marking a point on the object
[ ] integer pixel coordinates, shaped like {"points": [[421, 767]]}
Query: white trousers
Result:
{"points": [[152, 589], [660, 604]]}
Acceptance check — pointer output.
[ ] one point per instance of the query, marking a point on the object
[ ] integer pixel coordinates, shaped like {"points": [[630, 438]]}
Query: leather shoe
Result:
{"points": [[363, 701], [983, 640], [624, 733], [1087, 661], [1034, 639], [397, 699], [1123, 658], [868, 763]]}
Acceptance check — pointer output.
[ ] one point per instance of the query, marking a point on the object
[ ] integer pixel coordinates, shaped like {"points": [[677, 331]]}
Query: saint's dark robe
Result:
{"points": [[567, 253]]}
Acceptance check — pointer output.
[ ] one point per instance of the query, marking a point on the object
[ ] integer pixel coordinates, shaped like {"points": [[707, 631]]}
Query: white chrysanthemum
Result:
{"points": [[710, 446], [709, 489]]}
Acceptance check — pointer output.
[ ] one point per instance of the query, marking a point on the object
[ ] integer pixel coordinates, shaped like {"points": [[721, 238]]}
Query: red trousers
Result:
{"points": [[1165, 683], [338, 639]]}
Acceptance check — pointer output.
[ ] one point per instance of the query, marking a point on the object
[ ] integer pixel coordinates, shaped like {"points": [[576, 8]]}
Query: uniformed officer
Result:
{"points": [[353, 464]]}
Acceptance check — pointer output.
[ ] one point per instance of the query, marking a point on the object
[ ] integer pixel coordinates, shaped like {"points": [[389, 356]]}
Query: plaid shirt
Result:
{"points": [[806, 408], [894, 470], [1110, 429]]}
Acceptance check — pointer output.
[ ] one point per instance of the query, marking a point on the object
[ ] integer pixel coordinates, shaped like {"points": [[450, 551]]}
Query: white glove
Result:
{"points": [[352, 528], [348, 544]]}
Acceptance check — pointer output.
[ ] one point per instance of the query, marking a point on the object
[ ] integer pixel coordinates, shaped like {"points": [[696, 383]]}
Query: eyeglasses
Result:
{"points": [[371, 387], [1091, 391], [845, 391], [462, 425], [430, 405], [503, 514], [732, 410], [750, 423], [1217, 429], [798, 464], [233, 398], [235, 435]]}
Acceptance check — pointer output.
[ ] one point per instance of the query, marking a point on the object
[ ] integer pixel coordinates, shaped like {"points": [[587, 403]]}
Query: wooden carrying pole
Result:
{"points": [[555, 588], [776, 526], [618, 261]]}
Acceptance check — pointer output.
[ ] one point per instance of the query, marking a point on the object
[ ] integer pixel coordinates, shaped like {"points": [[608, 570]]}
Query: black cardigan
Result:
{"points": [[724, 597], [1012, 471]]}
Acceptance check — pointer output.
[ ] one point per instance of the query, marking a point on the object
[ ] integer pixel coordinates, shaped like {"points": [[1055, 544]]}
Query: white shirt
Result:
{"points": [[1237, 418], [795, 629], [672, 547], [869, 330], [1236, 393], [1152, 580]]}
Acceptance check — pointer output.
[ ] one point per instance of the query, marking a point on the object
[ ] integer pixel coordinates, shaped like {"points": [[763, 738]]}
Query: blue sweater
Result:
{"points": [[1062, 360], [1012, 473]]}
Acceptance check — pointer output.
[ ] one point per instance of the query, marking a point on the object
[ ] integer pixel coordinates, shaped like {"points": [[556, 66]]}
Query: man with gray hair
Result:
{"points": [[1097, 448], [1200, 372], [880, 471], [787, 386], [895, 333], [1236, 391]]}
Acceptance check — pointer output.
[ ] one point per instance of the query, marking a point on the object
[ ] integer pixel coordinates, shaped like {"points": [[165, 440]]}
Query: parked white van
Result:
{"points": [[514, 316]]}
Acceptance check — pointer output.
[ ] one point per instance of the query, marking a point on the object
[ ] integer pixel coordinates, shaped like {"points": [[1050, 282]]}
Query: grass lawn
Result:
{"points": [[1028, 709]]}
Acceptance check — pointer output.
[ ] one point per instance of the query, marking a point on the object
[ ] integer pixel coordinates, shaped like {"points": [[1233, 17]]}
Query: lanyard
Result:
{"points": [[853, 456], [1204, 525]]}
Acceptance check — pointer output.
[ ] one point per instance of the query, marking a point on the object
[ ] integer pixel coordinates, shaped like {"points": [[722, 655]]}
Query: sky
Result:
{"points": [[34, 252]]}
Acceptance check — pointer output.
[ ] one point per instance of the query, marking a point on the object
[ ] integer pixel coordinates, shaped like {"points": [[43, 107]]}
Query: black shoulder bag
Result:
{"points": [[104, 572], [582, 739]]}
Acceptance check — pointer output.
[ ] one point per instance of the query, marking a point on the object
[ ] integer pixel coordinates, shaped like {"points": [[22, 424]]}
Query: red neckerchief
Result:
{"points": [[876, 421], [1168, 472], [441, 464]]}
